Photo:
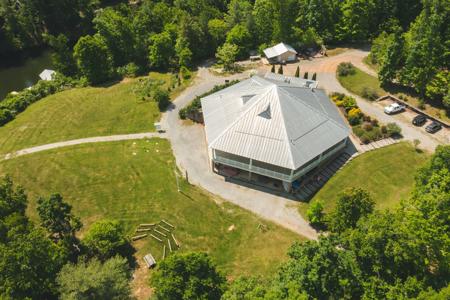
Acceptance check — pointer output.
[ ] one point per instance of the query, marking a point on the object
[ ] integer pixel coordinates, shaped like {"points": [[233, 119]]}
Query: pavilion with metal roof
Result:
{"points": [[273, 126]]}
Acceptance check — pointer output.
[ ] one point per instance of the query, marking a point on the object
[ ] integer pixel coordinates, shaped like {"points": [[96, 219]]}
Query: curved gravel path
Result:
{"points": [[98, 139]]}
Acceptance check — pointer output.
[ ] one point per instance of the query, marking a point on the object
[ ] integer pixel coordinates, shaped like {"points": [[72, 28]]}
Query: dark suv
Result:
{"points": [[419, 120], [433, 127]]}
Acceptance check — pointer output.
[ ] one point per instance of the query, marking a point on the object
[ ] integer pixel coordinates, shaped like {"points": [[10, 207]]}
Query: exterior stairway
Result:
{"points": [[314, 182]]}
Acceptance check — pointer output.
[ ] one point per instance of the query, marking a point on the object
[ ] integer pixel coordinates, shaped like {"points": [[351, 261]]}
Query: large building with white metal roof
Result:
{"points": [[276, 126]]}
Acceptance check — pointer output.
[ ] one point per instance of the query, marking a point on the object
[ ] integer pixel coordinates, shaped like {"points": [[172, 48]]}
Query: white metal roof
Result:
{"points": [[278, 50], [275, 122], [47, 74]]}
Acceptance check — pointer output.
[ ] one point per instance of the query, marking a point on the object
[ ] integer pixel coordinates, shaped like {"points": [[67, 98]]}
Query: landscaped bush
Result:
{"points": [[315, 213], [345, 69], [194, 107], [370, 93], [349, 103], [393, 129], [12, 105]]}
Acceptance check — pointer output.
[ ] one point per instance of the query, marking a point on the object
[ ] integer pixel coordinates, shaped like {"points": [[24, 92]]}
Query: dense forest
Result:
{"points": [[103, 39]]}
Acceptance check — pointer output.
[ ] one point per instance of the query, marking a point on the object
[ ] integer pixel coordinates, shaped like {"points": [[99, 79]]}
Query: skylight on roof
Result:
{"points": [[246, 98], [266, 113]]}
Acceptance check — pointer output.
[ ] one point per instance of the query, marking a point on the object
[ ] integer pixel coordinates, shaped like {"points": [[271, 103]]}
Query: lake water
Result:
{"points": [[24, 75]]}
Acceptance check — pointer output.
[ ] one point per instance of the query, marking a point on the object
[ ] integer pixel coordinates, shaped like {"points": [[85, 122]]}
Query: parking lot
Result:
{"points": [[443, 135]]}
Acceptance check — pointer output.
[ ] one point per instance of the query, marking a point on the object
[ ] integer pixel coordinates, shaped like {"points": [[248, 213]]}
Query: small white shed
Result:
{"points": [[47, 74], [280, 53]]}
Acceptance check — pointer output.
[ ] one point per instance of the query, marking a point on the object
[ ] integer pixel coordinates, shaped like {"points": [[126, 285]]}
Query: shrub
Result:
{"points": [[337, 96], [354, 113], [272, 69], [370, 93], [366, 118], [345, 69], [393, 129], [354, 121], [306, 75], [280, 69], [314, 76], [368, 127], [374, 122], [340, 103], [161, 97], [129, 70], [315, 213], [383, 129], [349, 103], [185, 73], [364, 139], [421, 104]]}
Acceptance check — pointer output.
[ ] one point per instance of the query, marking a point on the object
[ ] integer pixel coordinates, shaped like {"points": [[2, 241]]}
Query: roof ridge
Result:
{"points": [[285, 131], [243, 113]]}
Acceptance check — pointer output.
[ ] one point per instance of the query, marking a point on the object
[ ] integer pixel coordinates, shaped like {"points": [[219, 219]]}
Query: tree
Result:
{"points": [[352, 205], [227, 55], [315, 213], [106, 239], [239, 12], [297, 72], [392, 60], [263, 16], [188, 276], [240, 36], [272, 69], [314, 76], [306, 75], [217, 28], [28, 265], [93, 59], [183, 52], [161, 50], [57, 218], [245, 288], [162, 97], [94, 280], [280, 69], [117, 33], [62, 57], [438, 88], [320, 269]]}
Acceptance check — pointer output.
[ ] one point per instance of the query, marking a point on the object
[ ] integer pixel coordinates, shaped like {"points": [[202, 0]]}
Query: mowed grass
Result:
{"points": [[387, 173], [84, 112], [357, 82], [134, 181]]}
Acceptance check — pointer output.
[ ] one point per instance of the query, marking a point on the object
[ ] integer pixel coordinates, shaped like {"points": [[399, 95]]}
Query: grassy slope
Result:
{"points": [[387, 173], [107, 180], [82, 112]]}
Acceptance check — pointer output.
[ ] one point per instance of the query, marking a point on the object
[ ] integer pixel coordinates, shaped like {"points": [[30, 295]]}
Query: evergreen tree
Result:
{"points": [[297, 72], [306, 75], [280, 69]]}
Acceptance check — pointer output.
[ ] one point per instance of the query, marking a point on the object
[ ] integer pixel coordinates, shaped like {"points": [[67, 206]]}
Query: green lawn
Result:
{"points": [[387, 173], [83, 112], [134, 181], [357, 82]]}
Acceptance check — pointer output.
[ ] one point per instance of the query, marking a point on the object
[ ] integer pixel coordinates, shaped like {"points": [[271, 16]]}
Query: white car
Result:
{"points": [[394, 108]]}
